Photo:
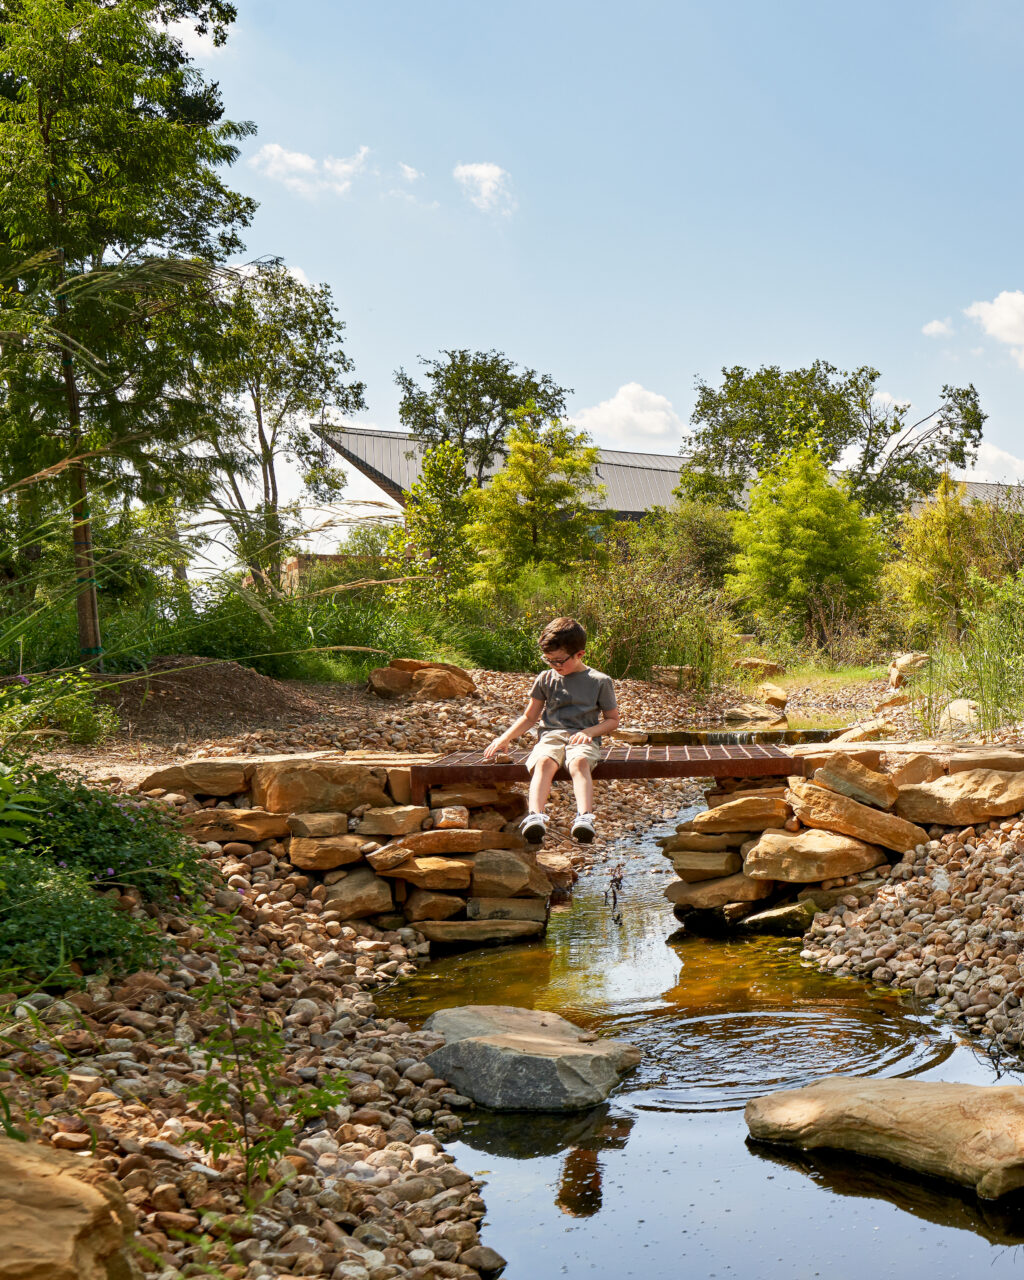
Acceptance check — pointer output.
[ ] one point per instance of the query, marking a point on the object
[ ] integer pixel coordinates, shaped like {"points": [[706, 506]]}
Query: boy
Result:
{"points": [[574, 705]]}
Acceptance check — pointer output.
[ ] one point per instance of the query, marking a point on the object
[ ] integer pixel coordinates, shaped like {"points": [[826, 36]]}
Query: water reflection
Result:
{"points": [[997, 1221], [718, 1022]]}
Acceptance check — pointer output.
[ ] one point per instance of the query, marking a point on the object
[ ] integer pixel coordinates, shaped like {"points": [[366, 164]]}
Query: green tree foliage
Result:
{"points": [[540, 508], [692, 541], [470, 400], [752, 419], [434, 537], [110, 143], [281, 365], [952, 554], [805, 549]]}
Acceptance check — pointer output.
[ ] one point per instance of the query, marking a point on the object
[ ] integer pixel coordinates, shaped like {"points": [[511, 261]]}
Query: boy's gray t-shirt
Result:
{"points": [[575, 701]]}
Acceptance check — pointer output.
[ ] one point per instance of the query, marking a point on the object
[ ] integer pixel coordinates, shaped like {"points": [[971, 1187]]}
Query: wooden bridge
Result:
{"points": [[617, 761]]}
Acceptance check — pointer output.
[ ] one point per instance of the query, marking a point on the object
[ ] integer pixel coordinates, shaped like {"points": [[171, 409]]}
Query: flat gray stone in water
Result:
{"points": [[512, 1059]]}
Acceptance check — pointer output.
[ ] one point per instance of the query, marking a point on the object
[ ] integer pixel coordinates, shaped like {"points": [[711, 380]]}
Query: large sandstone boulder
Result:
{"points": [[869, 731], [695, 842], [557, 867], [919, 767], [435, 842], [1007, 759], [970, 1134], [805, 857], [904, 665], [503, 873], [200, 777], [762, 667], [358, 894], [746, 711], [962, 799], [317, 786], [388, 682], [772, 695], [717, 893], [694, 866], [465, 794], [850, 778], [427, 904], [250, 825], [318, 825], [753, 814], [507, 909], [439, 684], [393, 819], [816, 807], [433, 873], [512, 1059], [474, 932], [54, 1225], [959, 715], [324, 854]]}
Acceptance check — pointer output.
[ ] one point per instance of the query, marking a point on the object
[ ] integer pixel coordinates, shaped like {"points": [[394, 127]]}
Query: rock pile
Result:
{"points": [[425, 681], [816, 837], [344, 834], [365, 1193]]}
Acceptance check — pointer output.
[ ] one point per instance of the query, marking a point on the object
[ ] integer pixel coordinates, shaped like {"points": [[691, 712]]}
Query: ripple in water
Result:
{"points": [[719, 1061]]}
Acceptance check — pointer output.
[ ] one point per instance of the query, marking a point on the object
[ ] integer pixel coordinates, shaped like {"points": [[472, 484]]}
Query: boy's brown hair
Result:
{"points": [[563, 633]]}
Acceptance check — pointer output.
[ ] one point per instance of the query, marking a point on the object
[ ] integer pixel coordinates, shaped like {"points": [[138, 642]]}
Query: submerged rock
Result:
{"points": [[789, 920], [970, 1134], [512, 1059]]}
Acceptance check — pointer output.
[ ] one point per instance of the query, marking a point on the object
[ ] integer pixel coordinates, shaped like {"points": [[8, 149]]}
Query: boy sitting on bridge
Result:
{"points": [[574, 705]]}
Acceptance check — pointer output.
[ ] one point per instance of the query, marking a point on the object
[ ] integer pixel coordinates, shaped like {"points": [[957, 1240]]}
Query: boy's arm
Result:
{"points": [[530, 717], [606, 725]]}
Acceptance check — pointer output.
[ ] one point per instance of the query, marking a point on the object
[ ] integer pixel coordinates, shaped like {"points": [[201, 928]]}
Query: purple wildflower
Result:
{"points": [[24, 680]]}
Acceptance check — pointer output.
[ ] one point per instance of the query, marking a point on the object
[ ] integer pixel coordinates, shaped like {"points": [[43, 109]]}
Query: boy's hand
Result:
{"points": [[492, 749], [579, 739]]}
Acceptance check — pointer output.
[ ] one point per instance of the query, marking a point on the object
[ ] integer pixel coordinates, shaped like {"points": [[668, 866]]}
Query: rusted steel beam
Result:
{"points": [[616, 762]]}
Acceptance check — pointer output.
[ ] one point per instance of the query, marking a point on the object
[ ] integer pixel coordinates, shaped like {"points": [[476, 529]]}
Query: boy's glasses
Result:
{"points": [[556, 662]]}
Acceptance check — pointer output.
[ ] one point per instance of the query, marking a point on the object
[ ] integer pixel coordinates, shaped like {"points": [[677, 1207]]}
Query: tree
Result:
{"points": [[113, 217], [434, 537], [953, 553], [471, 399], [540, 508], [690, 540], [742, 426], [804, 546], [283, 365]]}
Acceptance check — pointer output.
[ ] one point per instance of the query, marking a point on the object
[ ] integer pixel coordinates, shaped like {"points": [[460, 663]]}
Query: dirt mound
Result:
{"points": [[182, 697]]}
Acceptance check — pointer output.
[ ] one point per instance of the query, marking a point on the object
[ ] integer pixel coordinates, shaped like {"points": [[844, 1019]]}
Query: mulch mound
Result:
{"points": [[183, 697]]}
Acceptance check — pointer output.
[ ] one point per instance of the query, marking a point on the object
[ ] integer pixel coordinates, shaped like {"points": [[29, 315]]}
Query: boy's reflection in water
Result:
{"points": [[579, 1190]]}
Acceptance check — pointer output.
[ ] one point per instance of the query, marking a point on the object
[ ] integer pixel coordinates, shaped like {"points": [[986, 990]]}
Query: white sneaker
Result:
{"points": [[534, 827], [583, 828]]}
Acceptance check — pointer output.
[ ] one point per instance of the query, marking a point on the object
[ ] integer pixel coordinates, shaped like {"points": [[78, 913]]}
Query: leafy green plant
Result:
{"points": [[51, 916], [114, 841], [65, 705], [18, 809], [249, 1108]]}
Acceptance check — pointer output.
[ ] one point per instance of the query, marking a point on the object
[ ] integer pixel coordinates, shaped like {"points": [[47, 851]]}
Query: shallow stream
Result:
{"points": [[660, 1182]]}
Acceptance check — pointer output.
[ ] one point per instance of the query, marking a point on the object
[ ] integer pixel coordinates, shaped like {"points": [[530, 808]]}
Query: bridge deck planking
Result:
{"points": [[618, 761]]}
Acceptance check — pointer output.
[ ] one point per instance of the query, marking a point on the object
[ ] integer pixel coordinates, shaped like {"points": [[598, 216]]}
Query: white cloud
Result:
{"points": [[486, 185], [304, 174], [1003, 319], [195, 45], [408, 172], [633, 415], [938, 328], [997, 465]]}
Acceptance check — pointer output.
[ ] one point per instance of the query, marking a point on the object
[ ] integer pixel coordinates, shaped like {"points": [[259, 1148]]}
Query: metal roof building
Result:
{"points": [[634, 482]]}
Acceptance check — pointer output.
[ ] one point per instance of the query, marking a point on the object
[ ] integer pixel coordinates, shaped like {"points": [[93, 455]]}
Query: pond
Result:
{"points": [[660, 1181]]}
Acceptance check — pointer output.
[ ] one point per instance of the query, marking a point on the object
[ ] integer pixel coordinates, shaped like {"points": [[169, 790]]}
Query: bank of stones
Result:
{"points": [[366, 1192]]}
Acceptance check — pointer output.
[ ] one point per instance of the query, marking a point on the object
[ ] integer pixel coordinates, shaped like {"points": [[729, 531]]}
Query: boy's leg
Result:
{"points": [[541, 778], [582, 784]]}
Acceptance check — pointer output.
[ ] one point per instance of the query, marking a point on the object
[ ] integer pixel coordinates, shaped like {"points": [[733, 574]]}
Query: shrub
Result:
{"points": [[66, 704], [50, 916], [112, 840]]}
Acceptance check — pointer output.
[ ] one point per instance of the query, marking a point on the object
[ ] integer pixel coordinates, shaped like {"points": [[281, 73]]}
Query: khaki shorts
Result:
{"points": [[555, 745]]}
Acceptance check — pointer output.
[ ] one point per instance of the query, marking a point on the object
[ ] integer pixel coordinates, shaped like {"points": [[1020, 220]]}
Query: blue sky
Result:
{"points": [[630, 196]]}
